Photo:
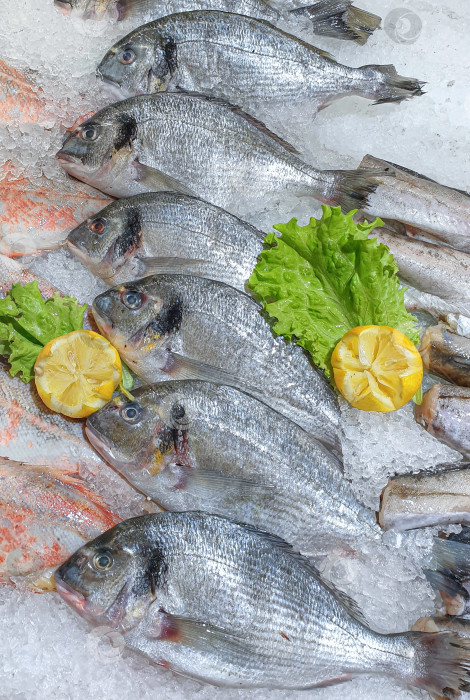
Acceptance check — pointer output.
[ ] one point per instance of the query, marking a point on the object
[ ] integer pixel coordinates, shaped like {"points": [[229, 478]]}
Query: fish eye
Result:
{"points": [[89, 132], [131, 299], [98, 226], [127, 56], [102, 561], [131, 413]]}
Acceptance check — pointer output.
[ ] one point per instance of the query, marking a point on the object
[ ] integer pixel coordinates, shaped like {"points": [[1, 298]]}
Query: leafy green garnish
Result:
{"points": [[28, 322], [319, 281]]}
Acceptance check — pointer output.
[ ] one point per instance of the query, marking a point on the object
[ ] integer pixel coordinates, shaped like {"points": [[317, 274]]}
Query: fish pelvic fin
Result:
{"points": [[340, 19], [383, 84], [441, 662]]}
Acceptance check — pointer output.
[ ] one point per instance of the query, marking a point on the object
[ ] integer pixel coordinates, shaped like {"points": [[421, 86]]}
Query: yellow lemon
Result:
{"points": [[77, 373], [377, 368]]}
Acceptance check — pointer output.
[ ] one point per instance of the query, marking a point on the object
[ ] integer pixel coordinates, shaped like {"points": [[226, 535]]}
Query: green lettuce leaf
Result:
{"points": [[319, 281], [28, 322]]}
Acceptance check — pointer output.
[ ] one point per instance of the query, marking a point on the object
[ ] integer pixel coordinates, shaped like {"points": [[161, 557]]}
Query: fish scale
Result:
{"points": [[243, 60], [230, 605], [241, 459], [218, 332]]}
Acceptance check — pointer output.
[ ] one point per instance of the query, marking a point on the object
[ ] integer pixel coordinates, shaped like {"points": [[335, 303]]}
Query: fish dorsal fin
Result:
{"points": [[261, 126], [309, 567]]}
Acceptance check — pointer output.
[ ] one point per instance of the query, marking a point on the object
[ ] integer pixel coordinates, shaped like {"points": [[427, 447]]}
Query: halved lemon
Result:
{"points": [[77, 373], [377, 368]]}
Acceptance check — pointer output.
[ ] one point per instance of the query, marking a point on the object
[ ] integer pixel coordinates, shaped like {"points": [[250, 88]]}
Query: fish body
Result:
{"points": [[166, 141], [21, 101], [426, 209], [336, 18], [223, 602], [432, 269], [181, 326], [242, 60], [426, 500], [445, 413], [446, 354], [193, 445], [45, 516], [37, 215], [166, 232]]}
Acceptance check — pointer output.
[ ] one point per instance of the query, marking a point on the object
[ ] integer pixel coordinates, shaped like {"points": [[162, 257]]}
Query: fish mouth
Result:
{"points": [[64, 157], [63, 6], [74, 598], [101, 444]]}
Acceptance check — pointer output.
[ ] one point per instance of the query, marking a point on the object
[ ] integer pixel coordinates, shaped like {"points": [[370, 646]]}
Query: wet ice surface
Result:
{"points": [[44, 646]]}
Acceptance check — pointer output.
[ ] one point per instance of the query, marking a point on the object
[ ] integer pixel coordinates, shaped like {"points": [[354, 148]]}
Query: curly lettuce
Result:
{"points": [[320, 280], [28, 322]]}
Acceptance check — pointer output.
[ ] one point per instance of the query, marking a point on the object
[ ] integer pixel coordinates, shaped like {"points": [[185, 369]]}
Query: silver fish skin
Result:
{"points": [[426, 209], [202, 147], [426, 500], [186, 327], [445, 413], [432, 269], [233, 606], [167, 232], [336, 18], [193, 445], [446, 354], [242, 60]]}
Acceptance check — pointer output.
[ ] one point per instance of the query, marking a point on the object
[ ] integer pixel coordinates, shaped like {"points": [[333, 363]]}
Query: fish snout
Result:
{"points": [[102, 305], [71, 596], [64, 6]]}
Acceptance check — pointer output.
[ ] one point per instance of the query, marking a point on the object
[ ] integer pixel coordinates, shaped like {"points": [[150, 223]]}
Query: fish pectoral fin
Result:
{"points": [[213, 485], [196, 634], [157, 181], [160, 266], [179, 367]]}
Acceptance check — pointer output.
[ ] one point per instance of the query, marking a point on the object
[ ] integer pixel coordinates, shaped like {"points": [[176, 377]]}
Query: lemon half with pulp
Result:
{"points": [[377, 368], [77, 373]]}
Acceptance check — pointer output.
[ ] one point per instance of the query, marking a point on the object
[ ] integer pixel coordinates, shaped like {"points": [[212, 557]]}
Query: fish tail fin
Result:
{"points": [[451, 569], [441, 662], [351, 188], [340, 19], [383, 84]]}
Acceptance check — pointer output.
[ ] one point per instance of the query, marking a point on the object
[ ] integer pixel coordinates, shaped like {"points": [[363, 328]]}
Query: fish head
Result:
{"points": [[135, 436], [136, 65], [100, 148], [140, 317], [110, 579], [107, 240]]}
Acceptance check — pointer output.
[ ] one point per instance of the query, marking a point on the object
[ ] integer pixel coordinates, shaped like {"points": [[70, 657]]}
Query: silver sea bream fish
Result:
{"points": [[446, 354], [336, 18], [199, 146], [233, 606], [193, 445], [242, 60], [167, 232], [186, 327], [422, 207], [445, 413], [435, 270]]}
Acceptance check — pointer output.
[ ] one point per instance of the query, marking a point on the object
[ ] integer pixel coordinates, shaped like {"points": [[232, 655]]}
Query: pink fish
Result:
{"points": [[45, 515]]}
